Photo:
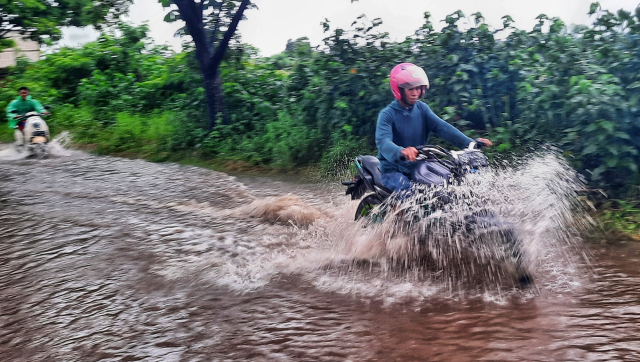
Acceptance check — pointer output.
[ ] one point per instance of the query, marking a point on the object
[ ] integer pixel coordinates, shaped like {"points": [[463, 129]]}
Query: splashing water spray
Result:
{"points": [[496, 227]]}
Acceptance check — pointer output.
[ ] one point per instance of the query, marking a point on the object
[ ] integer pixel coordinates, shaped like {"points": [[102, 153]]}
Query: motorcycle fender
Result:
{"points": [[356, 189], [39, 139]]}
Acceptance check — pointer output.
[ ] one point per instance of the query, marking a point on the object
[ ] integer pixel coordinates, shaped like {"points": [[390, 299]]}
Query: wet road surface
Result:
{"points": [[109, 259]]}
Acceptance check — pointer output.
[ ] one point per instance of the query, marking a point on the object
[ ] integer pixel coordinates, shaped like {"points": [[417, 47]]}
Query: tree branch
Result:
{"points": [[189, 12], [216, 27], [5, 31], [220, 50]]}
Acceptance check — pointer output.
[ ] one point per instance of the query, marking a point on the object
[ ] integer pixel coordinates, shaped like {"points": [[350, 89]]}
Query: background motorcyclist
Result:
{"points": [[23, 104], [406, 123]]}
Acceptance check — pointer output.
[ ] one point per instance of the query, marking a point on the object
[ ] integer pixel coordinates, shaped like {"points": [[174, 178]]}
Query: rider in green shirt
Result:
{"points": [[23, 104]]}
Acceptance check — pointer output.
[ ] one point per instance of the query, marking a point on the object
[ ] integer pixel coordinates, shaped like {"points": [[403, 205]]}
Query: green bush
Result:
{"points": [[577, 88], [140, 134]]}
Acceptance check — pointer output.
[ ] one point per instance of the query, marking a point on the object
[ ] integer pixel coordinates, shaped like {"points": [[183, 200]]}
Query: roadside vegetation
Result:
{"points": [[577, 88]]}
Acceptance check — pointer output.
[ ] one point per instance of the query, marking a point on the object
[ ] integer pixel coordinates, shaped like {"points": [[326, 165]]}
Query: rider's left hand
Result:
{"points": [[486, 142], [409, 153]]}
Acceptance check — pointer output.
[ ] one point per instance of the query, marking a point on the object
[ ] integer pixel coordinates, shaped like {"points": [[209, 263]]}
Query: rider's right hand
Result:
{"points": [[410, 153]]}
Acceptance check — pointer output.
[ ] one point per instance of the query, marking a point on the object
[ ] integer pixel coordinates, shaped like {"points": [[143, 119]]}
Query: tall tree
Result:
{"points": [[40, 20], [211, 24]]}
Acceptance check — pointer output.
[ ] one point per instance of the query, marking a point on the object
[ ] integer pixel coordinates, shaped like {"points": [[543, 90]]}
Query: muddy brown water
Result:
{"points": [[109, 259]]}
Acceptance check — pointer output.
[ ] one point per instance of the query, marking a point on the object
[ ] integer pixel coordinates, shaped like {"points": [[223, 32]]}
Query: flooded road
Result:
{"points": [[109, 259]]}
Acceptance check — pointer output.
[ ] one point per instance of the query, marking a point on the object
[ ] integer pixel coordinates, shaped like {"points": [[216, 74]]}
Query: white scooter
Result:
{"points": [[34, 138]]}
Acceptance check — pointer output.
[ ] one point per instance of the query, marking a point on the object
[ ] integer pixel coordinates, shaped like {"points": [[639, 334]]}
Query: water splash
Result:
{"points": [[58, 147], [9, 153], [60, 144], [288, 209], [415, 252], [514, 218]]}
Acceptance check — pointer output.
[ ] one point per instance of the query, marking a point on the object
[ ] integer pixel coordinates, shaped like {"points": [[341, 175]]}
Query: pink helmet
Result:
{"points": [[406, 76]]}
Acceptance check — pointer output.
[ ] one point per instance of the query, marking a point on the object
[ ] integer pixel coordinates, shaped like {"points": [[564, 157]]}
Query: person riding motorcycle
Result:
{"points": [[406, 123], [23, 104]]}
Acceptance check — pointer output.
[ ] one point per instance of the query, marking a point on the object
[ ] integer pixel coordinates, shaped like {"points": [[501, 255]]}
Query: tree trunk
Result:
{"points": [[215, 99], [209, 61], [212, 104], [221, 109]]}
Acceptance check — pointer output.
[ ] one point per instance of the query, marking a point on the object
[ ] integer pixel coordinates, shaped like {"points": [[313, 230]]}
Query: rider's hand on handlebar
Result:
{"points": [[410, 153], [486, 142]]}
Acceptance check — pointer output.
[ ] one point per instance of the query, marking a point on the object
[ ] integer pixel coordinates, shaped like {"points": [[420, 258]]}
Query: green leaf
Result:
{"points": [[572, 129], [32, 4], [172, 16], [340, 105], [573, 80], [453, 58], [507, 21], [592, 127], [622, 135], [589, 149], [599, 170], [607, 125], [504, 147], [624, 15]]}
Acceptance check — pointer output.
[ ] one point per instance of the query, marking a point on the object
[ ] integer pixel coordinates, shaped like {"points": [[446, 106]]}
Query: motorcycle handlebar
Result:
{"points": [[24, 116], [434, 149], [440, 151]]}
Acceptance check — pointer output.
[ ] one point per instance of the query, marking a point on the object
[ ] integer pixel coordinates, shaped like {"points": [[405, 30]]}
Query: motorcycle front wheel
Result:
{"points": [[366, 207], [486, 225], [40, 150]]}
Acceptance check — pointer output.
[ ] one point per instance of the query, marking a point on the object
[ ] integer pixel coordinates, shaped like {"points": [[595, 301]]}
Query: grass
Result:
{"points": [[152, 137], [6, 133], [621, 219], [139, 135]]}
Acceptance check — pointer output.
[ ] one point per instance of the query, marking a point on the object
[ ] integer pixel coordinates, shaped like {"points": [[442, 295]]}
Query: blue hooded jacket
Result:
{"points": [[399, 127]]}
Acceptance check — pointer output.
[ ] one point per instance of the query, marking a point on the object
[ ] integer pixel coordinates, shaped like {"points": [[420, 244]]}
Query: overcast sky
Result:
{"points": [[275, 21]]}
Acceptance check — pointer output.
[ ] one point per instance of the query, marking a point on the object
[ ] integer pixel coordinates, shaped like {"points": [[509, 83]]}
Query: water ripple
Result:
{"points": [[108, 259]]}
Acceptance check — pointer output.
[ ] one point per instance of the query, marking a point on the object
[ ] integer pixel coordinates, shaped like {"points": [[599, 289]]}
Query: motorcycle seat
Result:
{"points": [[372, 165]]}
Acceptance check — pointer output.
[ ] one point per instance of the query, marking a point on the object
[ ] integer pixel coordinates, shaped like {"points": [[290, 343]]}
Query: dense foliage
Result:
{"points": [[40, 20], [576, 88]]}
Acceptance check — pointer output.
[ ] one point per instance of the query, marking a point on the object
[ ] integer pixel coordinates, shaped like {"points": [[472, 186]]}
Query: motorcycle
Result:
{"points": [[34, 137], [479, 232], [447, 166]]}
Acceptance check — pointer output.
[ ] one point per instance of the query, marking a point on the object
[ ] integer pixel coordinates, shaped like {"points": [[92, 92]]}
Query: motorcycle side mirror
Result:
{"points": [[47, 107], [14, 111]]}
